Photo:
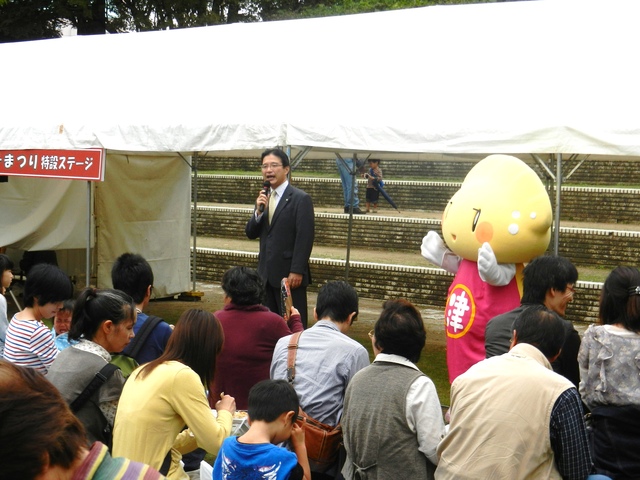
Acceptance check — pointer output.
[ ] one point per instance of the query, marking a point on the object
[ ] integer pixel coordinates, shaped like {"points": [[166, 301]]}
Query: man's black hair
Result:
{"points": [[132, 274], [544, 273], [542, 328], [284, 158], [337, 300]]}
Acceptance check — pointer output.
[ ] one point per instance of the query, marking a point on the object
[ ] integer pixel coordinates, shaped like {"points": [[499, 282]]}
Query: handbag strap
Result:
{"points": [[166, 464], [291, 357], [96, 382]]}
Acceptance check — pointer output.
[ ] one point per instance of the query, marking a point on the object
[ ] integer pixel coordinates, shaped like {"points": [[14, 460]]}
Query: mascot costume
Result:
{"points": [[498, 220]]}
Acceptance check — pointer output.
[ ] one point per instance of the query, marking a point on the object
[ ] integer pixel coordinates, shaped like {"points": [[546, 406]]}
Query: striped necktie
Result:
{"points": [[272, 204]]}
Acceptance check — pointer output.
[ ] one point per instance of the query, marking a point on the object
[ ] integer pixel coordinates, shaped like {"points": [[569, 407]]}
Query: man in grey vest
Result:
{"points": [[392, 419]]}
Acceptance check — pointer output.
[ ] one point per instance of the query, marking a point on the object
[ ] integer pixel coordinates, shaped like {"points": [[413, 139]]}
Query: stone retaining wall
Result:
{"points": [[587, 204], [422, 286], [591, 172], [585, 247]]}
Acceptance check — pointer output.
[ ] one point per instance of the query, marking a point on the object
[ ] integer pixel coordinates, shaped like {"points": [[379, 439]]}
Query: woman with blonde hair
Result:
{"points": [[164, 395]]}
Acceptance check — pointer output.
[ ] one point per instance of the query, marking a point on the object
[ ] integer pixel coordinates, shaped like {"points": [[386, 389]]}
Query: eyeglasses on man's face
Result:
{"points": [[272, 166], [570, 291]]}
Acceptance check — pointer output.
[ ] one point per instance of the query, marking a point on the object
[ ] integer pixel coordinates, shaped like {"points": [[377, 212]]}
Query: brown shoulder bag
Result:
{"points": [[323, 442]]}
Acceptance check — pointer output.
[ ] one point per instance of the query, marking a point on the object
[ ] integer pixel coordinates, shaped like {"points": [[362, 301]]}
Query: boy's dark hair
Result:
{"points": [[400, 330], [46, 283], [243, 285], [545, 272], [269, 399], [337, 300], [542, 328], [132, 274], [284, 158]]}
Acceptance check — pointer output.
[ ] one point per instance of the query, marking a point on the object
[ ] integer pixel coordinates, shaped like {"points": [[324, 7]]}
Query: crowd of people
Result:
{"points": [[544, 404], [511, 415]]}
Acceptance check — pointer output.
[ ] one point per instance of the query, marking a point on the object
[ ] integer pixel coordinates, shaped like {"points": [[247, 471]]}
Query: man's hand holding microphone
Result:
{"points": [[263, 198]]}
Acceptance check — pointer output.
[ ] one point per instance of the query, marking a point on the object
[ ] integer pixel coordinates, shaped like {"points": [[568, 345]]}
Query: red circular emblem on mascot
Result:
{"points": [[460, 311]]}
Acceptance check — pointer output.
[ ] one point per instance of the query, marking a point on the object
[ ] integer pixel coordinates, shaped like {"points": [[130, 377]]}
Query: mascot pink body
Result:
{"points": [[471, 303], [498, 220]]}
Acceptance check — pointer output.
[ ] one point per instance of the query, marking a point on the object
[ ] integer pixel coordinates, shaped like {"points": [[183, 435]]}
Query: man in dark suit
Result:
{"points": [[286, 229]]}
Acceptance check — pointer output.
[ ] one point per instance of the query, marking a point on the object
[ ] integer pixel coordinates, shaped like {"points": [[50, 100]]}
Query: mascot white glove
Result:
{"points": [[490, 270], [435, 250]]}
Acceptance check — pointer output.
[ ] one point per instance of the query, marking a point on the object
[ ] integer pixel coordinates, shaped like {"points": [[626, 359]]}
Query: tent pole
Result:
{"points": [[194, 218], [88, 256], [556, 223]]}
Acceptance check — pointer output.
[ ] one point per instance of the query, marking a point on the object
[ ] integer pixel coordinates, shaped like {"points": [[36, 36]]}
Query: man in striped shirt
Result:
{"points": [[29, 342]]}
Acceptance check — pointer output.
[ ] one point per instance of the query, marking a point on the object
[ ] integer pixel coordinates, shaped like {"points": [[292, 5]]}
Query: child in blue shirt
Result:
{"points": [[273, 411]]}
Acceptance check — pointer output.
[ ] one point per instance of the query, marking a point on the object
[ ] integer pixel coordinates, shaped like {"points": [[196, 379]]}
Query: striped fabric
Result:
{"points": [[29, 343], [100, 466]]}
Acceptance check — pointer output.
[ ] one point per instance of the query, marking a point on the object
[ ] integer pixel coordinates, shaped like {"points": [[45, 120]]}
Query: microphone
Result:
{"points": [[265, 189]]}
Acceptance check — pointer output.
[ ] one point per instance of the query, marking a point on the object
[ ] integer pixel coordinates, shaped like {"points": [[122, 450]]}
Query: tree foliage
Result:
{"points": [[289, 9], [35, 19], [28, 20]]}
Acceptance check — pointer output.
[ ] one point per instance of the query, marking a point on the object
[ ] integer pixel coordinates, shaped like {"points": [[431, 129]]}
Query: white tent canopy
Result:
{"points": [[523, 77], [545, 77]]}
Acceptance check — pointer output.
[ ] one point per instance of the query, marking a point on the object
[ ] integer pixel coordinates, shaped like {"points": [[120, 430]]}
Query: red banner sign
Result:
{"points": [[85, 164]]}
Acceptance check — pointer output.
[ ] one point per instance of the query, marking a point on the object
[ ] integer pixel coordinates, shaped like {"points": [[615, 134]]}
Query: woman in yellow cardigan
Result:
{"points": [[164, 395]]}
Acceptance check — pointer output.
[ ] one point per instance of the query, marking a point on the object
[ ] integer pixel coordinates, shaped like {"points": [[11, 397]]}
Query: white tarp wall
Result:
{"points": [[46, 214], [546, 76], [43, 214], [144, 206]]}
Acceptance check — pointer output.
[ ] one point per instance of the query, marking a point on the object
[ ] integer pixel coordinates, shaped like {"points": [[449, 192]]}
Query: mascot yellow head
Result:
{"points": [[503, 202]]}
